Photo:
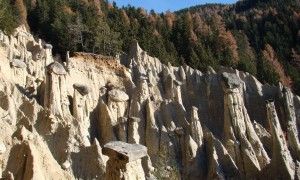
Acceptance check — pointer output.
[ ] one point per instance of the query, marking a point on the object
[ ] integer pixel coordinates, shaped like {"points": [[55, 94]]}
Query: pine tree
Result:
{"points": [[193, 59], [247, 59], [77, 30], [266, 73], [7, 17], [270, 55]]}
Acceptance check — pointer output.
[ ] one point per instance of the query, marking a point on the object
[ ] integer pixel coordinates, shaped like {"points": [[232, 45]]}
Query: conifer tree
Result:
{"points": [[7, 17]]}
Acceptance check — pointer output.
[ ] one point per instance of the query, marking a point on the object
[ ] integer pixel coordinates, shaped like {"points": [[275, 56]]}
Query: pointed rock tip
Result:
{"points": [[210, 70], [194, 108], [21, 133], [269, 101], [96, 143]]}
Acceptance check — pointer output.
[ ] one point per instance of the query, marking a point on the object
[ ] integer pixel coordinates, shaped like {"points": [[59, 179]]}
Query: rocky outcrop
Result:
{"points": [[188, 124]]}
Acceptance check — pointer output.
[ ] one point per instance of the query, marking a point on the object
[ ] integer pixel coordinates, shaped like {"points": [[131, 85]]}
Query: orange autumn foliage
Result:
{"points": [[170, 18], [127, 20], [22, 12]]}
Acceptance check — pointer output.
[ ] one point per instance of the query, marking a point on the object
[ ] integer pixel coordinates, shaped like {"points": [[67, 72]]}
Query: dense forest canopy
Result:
{"points": [[257, 36]]}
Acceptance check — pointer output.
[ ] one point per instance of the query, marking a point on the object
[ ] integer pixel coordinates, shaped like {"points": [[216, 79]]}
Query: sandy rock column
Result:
{"points": [[19, 71], [2, 151], [117, 103], [122, 129], [80, 110], [281, 166], [197, 133], [48, 54], [52, 98], [79, 101], [219, 161], [106, 124], [239, 137], [292, 128], [133, 134], [152, 131], [177, 92]]}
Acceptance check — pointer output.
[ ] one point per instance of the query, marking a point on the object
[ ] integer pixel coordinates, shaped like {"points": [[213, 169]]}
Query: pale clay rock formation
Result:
{"points": [[58, 120]]}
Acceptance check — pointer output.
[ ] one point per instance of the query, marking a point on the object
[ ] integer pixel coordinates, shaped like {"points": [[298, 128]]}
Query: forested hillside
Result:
{"points": [[257, 36]]}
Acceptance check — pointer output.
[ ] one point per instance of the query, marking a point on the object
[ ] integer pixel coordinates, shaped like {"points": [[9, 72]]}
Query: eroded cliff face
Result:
{"points": [[56, 118]]}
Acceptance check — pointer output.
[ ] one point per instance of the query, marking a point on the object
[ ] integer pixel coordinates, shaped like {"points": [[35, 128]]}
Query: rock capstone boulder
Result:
{"points": [[56, 68], [17, 63], [82, 89], [231, 80], [124, 160], [125, 151], [48, 46], [118, 95]]}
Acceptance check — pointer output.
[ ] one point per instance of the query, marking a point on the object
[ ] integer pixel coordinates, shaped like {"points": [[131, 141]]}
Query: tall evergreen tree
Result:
{"points": [[7, 18]]}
